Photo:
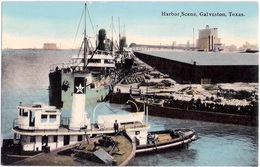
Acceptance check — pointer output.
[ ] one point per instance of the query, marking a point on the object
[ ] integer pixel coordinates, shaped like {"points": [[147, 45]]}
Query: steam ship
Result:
{"points": [[99, 68], [96, 67]]}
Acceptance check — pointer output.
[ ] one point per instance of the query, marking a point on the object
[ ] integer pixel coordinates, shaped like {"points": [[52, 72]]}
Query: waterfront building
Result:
{"points": [[248, 46], [208, 39], [203, 67], [50, 46]]}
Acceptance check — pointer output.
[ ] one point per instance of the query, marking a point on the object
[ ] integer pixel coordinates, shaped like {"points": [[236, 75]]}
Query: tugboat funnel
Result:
{"points": [[77, 112], [78, 105]]}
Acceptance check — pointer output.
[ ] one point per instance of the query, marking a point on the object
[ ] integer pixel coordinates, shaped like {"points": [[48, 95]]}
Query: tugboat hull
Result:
{"points": [[161, 140]]}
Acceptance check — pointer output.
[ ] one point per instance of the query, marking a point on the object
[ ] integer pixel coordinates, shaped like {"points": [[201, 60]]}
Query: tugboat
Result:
{"points": [[41, 128]]}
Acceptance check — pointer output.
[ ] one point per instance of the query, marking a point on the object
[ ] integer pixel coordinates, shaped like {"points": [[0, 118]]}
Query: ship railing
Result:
{"points": [[60, 66], [103, 52], [43, 128]]}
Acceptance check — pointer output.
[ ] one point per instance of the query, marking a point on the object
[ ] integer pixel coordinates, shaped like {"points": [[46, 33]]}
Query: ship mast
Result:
{"points": [[85, 43], [112, 35], [119, 44]]}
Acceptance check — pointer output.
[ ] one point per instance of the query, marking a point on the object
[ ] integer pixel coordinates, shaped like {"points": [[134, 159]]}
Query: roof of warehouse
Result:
{"points": [[207, 58]]}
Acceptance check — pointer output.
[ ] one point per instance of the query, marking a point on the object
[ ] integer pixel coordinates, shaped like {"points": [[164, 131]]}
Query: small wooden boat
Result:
{"points": [[159, 140], [102, 150]]}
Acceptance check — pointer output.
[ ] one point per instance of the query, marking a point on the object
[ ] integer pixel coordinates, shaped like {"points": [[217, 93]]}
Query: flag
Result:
{"points": [[79, 85]]}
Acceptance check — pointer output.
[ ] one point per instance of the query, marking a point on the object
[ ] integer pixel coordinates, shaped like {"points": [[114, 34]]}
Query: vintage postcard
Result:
{"points": [[96, 83]]}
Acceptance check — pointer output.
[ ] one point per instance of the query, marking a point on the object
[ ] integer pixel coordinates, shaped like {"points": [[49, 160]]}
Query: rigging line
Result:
{"points": [[91, 45], [78, 27], [115, 33], [114, 30], [79, 53], [115, 43], [90, 19], [109, 30], [111, 109], [94, 52]]}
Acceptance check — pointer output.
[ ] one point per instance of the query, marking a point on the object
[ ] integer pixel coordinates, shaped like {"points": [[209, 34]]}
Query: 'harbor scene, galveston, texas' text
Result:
{"points": [[129, 83]]}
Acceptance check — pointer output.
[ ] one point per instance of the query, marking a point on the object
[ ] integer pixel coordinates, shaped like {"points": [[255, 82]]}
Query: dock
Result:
{"points": [[234, 103]]}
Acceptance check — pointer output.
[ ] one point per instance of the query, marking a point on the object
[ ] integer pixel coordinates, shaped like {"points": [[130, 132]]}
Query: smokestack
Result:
{"points": [[101, 39], [78, 114]]}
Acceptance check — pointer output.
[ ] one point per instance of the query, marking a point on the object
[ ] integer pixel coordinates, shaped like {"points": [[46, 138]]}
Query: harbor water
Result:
{"points": [[25, 79]]}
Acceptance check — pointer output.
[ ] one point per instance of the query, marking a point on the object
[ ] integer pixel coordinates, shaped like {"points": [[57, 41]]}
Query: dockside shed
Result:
{"points": [[203, 67]]}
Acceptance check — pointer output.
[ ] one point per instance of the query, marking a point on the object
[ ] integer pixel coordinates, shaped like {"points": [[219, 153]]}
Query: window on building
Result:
{"points": [[43, 118], [79, 137], [137, 132], [52, 118]]}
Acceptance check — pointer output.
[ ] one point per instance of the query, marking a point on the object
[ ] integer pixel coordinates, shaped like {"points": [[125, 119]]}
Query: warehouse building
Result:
{"points": [[203, 67]]}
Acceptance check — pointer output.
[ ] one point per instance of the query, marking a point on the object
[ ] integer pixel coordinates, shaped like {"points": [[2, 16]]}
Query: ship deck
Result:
{"points": [[64, 130], [81, 154]]}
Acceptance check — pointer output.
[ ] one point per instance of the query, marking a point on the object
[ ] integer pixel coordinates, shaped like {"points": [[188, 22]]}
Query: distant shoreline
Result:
{"points": [[38, 49]]}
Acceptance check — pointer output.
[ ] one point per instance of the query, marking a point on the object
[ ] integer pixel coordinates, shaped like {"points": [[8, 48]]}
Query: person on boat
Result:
{"points": [[116, 126]]}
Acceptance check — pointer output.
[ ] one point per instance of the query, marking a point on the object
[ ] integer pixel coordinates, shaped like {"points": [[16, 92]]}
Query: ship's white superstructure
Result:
{"points": [[40, 127]]}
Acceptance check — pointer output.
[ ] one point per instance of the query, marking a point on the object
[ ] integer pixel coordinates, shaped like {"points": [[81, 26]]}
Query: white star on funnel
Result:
{"points": [[79, 89]]}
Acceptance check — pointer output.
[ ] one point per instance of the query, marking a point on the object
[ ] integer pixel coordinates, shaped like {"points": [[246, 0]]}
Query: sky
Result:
{"points": [[29, 24]]}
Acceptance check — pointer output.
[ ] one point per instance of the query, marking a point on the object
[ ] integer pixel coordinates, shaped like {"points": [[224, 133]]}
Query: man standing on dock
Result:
{"points": [[116, 126]]}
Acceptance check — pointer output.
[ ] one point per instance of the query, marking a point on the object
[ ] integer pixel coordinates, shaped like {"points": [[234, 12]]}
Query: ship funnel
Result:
{"points": [[101, 39], [78, 115], [122, 44]]}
